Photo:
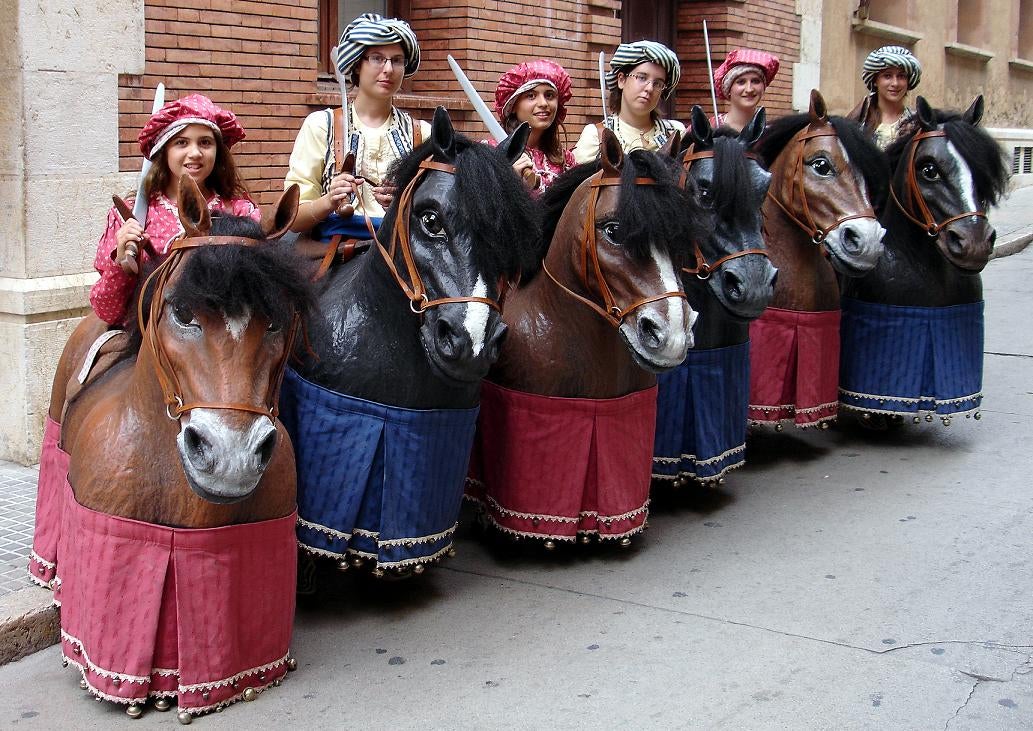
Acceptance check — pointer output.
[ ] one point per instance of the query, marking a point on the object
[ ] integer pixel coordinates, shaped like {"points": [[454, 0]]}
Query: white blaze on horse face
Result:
{"points": [[225, 461], [476, 319], [236, 326], [968, 192], [676, 306], [668, 317]]}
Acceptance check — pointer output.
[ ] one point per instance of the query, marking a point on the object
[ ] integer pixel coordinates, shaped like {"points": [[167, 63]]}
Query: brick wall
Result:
{"points": [[258, 58]]}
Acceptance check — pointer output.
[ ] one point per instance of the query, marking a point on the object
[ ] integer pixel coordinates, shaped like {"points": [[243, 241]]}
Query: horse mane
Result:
{"points": [[730, 186], [645, 212], [977, 148], [497, 212], [865, 156], [267, 279]]}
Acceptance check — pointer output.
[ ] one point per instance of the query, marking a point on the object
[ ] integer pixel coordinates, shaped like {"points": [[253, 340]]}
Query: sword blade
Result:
{"points": [[602, 83], [494, 128], [140, 204], [710, 69]]}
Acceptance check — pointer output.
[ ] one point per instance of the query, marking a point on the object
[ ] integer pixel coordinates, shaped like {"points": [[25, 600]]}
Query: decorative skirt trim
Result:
{"points": [[794, 367], [902, 361]]}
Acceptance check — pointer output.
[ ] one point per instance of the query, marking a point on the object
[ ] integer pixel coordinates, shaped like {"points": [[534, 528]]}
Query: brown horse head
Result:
{"points": [[818, 186], [618, 246]]}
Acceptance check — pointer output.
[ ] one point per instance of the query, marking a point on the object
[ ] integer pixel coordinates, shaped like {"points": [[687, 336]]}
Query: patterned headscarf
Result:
{"points": [[526, 76], [172, 118], [738, 62], [370, 29], [629, 55], [889, 57]]}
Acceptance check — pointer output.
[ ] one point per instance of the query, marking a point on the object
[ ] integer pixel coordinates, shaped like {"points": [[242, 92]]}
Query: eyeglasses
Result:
{"points": [[643, 80], [378, 61]]}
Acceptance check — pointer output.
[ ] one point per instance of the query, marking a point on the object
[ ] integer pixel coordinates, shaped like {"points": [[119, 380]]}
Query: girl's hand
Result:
{"points": [[525, 169], [129, 239], [384, 194], [343, 187]]}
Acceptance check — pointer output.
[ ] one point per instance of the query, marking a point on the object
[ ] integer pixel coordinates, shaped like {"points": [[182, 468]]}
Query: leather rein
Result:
{"points": [[172, 391], [610, 310], [703, 268], [914, 193], [817, 233]]}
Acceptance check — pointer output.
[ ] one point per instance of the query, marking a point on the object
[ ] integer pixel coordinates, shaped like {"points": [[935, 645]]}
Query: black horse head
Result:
{"points": [[731, 185]]}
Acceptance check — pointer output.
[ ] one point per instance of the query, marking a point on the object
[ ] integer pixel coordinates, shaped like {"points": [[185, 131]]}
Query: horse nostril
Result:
{"points": [[198, 449], [955, 244], [733, 286], [495, 340], [650, 334], [774, 279], [445, 336], [851, 239], [265, 448]]}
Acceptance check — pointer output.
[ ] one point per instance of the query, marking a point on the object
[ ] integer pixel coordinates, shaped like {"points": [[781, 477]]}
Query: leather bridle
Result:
{"points": [[703, 268], [914, 193], [611, 311], [175, 402], [817, 233]]}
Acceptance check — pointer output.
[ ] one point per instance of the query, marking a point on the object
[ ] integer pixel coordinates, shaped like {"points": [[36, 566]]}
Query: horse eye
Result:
{"points": [[431, 223], [929, 172], [821, 166], [611, 229], [183, 315], [705, 194], [273, 328]]}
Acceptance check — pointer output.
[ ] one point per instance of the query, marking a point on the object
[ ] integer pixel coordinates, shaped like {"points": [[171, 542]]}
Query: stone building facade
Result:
{"points": [[78, 78]]}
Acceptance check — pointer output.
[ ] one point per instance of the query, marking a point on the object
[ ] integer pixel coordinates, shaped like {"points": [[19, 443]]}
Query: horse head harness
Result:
{"points": [[414, 289], [703, 268], [166, 374], [914, 193], [611, 311], [817, 233]]}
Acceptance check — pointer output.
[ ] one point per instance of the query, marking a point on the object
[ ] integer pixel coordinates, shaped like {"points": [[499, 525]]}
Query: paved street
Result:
{"points": [[842, 580]]}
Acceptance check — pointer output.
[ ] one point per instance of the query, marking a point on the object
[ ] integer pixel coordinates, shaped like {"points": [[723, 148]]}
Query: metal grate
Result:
{"points": [[1022, 160]]}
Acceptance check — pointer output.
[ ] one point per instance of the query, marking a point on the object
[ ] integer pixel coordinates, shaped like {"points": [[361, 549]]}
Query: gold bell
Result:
{"points": [[929, 417], [64, 662], [292, 664], [778, 427], [550, 545], [917, 420], [184, 718], [356, 561], [419, 569], [82, 683], [162, 704], [206, 695], [250, 694], [134, 710], [625, 542], [378, 572], [720, 480], [278, 682], [977, 416], [342, 565], [824, 425], [586, 539], [451, 553], [866, 416]]}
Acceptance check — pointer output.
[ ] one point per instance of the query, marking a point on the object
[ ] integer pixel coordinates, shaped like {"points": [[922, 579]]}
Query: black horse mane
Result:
{"points": [[266, 279], [730, 185], [497, 212], [663, 213], [978, 149], [864, 154]]}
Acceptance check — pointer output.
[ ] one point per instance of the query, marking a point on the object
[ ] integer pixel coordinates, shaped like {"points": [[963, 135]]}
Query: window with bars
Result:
{"points": [[334, 16], [1022, 160]]}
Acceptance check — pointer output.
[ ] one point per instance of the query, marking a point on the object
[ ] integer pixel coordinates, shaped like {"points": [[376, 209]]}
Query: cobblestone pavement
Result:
{"points": [[17, 514]]}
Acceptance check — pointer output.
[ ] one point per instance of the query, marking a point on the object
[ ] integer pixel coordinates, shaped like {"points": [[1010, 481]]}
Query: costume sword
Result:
{"points": [[494, 128], [345, 117], [710, 70], [140, 204], [602, 83]]}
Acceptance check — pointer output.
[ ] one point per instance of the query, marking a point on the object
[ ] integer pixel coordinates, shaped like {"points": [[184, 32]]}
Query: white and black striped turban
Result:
{"points": [[370, 29], [889, 57], [629, 55]]}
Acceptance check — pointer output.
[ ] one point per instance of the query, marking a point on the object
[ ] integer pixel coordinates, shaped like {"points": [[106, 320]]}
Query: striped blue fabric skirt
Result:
{"points": [[902, 360], [377, 481], [701, 415]]}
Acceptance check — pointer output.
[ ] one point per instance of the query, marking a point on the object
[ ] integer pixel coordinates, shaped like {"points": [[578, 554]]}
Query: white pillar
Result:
{"points": [[807, 72]]}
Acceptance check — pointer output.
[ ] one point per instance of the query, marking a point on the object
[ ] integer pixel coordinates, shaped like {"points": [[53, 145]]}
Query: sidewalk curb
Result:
{"points": [[1012, 246], [28, 623]]}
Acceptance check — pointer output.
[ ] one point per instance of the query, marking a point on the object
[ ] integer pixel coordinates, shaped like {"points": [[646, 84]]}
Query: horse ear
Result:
{"points": [[193, 210], [513, 146], [974, 113], [753, 131], [818, 112], [278, 222], [702, 132], [672, 145], [443, 134], [610, 153], [926, 117]]}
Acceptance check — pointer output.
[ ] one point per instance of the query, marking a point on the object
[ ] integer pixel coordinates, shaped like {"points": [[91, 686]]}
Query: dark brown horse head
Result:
{"points": [[620, 230], [818, 185], [946, 173], [221, 315]]}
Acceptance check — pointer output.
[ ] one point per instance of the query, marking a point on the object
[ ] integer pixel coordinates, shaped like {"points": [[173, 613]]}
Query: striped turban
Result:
{"points": [[889, 57], [370, 29], [629, 55]]}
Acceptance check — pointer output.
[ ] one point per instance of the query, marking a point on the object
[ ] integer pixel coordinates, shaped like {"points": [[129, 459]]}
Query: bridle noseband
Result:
{"points": [[914, 193], [818, 234], [416, 292], [703, 268], [172, 392]]}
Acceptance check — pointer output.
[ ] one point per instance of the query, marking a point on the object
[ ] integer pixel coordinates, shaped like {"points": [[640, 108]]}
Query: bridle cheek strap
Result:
{"points": [[914, 193], [610, 310], [817, 233], [416, 292], [704, 269], [172, 392]]}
